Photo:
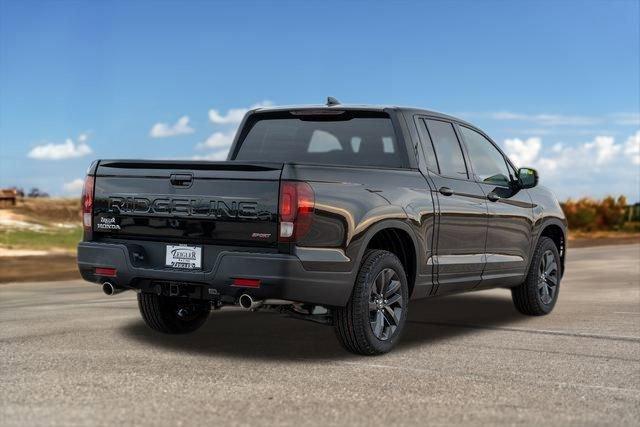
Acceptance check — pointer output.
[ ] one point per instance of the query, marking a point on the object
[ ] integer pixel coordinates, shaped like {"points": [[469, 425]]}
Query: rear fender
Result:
{"points": [[360, 242]]}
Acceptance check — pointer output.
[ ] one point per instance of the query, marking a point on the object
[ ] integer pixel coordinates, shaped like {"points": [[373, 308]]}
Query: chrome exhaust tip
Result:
{"points": [[249, 303], [110, 289]]}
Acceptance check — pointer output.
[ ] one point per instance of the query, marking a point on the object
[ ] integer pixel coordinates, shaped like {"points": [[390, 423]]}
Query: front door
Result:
{"points": [[510, 212], [461, 208]]}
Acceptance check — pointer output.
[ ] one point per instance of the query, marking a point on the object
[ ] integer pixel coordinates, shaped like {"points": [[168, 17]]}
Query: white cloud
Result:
{"points": [[67, 150], [603, 147], [523, 153], [164, 130], [632, 148], [561, 131], [553, 120], [218, 140], [545, 119], [632, 119], [74, 187], [234, 115], [215, 156], [594, 168], [541, 119], [600, 152]]}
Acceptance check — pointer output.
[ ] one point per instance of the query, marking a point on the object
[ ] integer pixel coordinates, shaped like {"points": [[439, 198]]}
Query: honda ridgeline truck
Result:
{"points": [[332, 213]]}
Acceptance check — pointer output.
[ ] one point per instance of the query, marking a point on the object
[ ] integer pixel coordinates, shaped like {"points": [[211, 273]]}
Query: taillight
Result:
{"points": [[87, 202], [297, 202]]}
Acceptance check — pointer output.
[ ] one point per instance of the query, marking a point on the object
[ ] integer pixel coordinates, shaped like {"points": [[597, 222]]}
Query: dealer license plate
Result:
{"points": [[183, 256]]}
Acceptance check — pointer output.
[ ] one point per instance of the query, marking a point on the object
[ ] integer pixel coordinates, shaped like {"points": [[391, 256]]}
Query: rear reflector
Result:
{"points": [[286, 229], [247, 283], [105, 272]]}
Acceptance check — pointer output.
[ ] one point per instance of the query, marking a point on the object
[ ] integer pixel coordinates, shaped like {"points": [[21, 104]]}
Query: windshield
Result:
{"points": [[354, 140]]}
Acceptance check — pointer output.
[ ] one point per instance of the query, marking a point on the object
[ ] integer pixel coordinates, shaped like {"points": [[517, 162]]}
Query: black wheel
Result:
{"points": [[373, 319], [172, 315], [538, 294]]}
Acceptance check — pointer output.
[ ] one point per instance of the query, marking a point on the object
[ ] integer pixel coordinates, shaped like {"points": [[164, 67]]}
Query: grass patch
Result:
{"points": [[62, 238]]}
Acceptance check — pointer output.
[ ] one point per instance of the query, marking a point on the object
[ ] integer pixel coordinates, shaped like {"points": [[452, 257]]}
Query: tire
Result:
{"points": [[160, 313], [538, 294], [357, 325]]}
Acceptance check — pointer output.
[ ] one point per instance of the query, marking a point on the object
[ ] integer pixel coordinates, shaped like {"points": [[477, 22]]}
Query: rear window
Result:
{"points": [[342, 139]]}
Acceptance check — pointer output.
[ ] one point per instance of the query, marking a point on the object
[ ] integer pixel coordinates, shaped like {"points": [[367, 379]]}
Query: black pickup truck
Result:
{"points": [[332, 213]]}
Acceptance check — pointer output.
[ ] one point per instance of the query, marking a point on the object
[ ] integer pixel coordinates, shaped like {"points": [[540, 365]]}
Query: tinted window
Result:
{"points": [[448, 151], [427, 146], [488, 163], [363, 141]]}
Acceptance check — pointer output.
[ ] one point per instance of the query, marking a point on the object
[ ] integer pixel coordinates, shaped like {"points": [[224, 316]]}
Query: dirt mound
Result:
{"points": [[29, 268], [47, 211]]}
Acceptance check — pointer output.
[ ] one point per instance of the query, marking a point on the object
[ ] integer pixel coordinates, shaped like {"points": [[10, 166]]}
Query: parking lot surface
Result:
{"points": [[71, 356]]}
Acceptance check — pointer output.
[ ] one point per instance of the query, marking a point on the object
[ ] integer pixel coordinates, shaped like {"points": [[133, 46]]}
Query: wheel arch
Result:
{"points": [[556, 230], [398, 238]]}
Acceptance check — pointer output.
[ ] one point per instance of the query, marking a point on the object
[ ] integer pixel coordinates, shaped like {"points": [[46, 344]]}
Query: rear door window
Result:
{"points": [[447, 147], [427, 146]]}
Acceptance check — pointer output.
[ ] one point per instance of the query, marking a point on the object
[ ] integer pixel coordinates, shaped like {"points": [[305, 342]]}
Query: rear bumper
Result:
{"points": [[282, 276]]}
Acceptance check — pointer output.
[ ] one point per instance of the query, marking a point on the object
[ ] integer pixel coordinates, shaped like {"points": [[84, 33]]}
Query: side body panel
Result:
{"points": [[352, 204], [462, 233], [509, 237], [461, 222], [509, 227], [480, 243]]}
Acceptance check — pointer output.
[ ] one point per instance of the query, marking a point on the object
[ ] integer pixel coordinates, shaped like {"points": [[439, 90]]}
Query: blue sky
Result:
{"points": [[555, 83]]}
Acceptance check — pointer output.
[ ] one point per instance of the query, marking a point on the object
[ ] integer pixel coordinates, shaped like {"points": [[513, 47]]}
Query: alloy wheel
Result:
{"points": [[385, 304], [548, 277]]}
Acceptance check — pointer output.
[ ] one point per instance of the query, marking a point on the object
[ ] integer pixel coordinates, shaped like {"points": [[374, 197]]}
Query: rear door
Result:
{"points": [[461, 205], [510, 211]]}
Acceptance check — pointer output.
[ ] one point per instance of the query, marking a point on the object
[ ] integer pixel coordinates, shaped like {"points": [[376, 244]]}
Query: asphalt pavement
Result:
{"points": [[71, 356]]}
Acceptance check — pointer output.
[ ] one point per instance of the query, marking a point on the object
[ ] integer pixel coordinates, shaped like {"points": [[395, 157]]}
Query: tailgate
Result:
{"points": [[231, 203]]}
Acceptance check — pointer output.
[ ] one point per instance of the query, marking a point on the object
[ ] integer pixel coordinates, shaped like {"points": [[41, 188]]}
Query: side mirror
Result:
{"points": [[527, 177]]}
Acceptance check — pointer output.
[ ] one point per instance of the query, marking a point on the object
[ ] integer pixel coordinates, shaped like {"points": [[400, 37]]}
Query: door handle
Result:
{"points": [[446, 191], [181, 180], [493, 197]]}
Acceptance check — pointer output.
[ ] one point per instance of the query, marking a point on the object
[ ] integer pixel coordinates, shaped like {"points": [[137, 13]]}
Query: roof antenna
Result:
{"points": [[332, 101]]}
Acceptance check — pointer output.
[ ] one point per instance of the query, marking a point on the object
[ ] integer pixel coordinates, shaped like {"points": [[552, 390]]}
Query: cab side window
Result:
{"points": [[447, 148], [427, 146], [488, 163]]}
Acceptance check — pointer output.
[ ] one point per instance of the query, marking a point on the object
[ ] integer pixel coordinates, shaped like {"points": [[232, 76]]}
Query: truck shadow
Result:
{"points": [[269, 336]]}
